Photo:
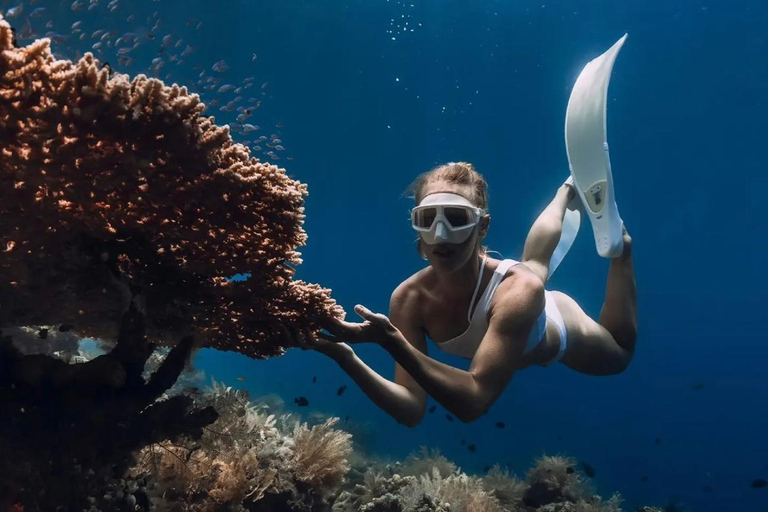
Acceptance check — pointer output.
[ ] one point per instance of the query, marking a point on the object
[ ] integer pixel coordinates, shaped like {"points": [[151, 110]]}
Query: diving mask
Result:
{"points": [[445, 218]]}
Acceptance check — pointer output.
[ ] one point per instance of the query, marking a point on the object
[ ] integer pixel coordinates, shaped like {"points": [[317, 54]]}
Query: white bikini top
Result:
{"points": [[465, 344]]}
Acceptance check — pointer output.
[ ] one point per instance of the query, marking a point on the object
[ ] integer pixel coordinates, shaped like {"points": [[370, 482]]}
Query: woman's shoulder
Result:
{"points": [[411, 288], [408, 297]]}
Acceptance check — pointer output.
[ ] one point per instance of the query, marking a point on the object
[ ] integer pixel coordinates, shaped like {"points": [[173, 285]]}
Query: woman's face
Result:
{"points": [[446, 256]]}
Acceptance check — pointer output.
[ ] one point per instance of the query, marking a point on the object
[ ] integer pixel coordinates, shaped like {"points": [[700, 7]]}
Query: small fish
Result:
{"points": [[14, 12], [241, 379], [644, 478], [709, 488], [167, 40], [448, 417], [226, 88], [432, 409], [77, 5], [248, 128], [76, 25], [657, 442], [463, 442], [220, 66], [42, 333], [301, 401], [588, 470], [698, 386], [472, 448], [570, 470], [341, 390], [59, 38], [346, 418], [500, 424], [314, 379], [486, 469], [38, 13], [759, 483], [27, 32]]}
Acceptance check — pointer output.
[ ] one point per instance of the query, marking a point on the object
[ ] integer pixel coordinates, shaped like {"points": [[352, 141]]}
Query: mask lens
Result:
{"points": [[458, 217], [425, 217]]}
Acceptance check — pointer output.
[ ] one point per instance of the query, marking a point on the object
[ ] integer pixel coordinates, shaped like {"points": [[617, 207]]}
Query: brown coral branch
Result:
{"points": [[109, 184]]}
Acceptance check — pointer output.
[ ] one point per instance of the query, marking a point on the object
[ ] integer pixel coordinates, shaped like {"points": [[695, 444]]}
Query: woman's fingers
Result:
{"points": [[379, 319], [338, 327], [328, 337], [335, 326]]}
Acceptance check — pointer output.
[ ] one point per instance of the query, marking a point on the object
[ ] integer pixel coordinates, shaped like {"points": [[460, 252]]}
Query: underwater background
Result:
{"points": [[365, 95]]}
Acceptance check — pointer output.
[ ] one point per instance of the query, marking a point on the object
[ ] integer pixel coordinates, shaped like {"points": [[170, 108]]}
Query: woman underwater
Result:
{"points": [[495, 312]]}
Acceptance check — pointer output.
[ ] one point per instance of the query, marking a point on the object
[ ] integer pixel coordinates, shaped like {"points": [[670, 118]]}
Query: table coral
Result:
{"points": [[111, 187]]}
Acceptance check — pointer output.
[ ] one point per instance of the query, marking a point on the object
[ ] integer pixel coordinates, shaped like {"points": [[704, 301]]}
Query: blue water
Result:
{"points": [[363, 105]]}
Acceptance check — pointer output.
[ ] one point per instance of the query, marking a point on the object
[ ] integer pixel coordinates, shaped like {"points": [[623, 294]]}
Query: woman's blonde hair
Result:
{"points": [[459, 173]]}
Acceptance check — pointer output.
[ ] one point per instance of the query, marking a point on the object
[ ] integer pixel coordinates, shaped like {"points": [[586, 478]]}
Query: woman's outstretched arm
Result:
{"points": [[396, 400], [469, 394], [402, 399], [545, 233]]}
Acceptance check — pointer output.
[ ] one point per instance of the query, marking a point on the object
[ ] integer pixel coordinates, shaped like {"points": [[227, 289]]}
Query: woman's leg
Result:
{"points": [[544, 235], [605, 347]]}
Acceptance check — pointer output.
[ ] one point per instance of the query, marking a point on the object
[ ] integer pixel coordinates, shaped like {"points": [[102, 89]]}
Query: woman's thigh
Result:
{"points": [[590, 347]]}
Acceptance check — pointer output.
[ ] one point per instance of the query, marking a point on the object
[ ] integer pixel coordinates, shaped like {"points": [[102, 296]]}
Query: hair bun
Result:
{"points": [[465, 165]]}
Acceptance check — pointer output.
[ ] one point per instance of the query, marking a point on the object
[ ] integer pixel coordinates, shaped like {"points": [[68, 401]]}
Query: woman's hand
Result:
{"points": [[305, 341], [375, 329]]}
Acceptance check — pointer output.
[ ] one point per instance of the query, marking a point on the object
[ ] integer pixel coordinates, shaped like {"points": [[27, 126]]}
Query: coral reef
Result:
{"points": [[431, 489], [111, 187], [246, 460]]}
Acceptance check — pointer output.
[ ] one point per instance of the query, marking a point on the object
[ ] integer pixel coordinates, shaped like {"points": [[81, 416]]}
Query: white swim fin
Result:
{"points": [[587, 146]]}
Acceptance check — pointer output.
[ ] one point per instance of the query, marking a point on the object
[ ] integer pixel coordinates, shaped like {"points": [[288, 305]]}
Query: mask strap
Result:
{"points": [[477, 287]]}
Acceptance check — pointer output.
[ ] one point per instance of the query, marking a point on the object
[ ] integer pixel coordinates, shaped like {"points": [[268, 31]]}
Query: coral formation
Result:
{"points": [[111, 187], [246, 457], [68, 428]]}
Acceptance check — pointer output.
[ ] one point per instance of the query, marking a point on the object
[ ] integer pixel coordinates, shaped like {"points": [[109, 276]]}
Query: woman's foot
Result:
{"points": [[627, 250]]}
